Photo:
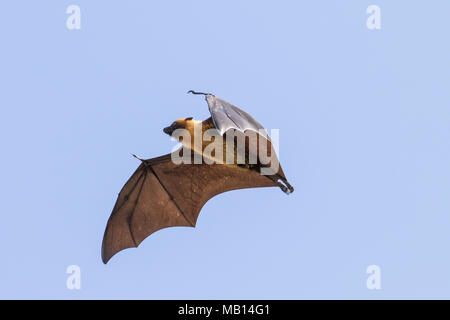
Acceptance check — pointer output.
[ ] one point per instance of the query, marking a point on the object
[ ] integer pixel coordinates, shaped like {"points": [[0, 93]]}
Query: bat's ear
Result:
{"points": [[190, 118]]}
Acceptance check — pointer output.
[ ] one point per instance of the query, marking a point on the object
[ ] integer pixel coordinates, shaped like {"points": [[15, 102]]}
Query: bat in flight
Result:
{"points": [[228, 151]]}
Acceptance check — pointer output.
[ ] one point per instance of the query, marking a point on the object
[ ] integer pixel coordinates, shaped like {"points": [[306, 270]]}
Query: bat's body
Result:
{"points": [[162, 194]]}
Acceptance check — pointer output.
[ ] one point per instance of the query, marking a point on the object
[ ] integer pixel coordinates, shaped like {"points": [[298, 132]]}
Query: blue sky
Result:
{"points": [[364, 138]]}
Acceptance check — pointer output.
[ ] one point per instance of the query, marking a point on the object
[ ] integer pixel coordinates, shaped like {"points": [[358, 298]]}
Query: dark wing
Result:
{"points": [[227, 116], [162, 194]]}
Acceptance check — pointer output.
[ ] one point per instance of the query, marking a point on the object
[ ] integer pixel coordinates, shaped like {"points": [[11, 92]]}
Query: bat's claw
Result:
{"points": [[195, 92], [137, 157], [142, 160]]}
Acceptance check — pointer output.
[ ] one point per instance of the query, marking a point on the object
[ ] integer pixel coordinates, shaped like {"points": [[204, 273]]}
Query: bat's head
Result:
{"points": [[184, 123]]}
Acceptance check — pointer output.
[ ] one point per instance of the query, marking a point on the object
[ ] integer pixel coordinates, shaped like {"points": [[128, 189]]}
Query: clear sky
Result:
{"points": [[364, 119]]}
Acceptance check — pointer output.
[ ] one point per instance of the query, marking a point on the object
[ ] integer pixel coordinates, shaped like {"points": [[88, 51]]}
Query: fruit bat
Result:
{"points": [[164, 193]]}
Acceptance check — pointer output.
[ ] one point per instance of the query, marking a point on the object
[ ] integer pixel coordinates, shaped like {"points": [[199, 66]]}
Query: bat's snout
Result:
{"points": [[168, 130]]}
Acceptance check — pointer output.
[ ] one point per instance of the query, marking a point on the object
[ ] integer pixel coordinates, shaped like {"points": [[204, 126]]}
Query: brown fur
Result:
{"points": [[189, 123]]}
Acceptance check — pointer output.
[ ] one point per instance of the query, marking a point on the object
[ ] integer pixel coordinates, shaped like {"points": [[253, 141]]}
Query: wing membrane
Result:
{"points": [[162, 194]]}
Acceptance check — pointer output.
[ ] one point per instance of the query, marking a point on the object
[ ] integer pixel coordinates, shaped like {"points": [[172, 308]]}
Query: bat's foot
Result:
{"points": [[286, 187]]}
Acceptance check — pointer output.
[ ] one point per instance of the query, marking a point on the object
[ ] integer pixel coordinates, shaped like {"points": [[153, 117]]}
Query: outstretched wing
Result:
{"points": [[227, 116], [162, 194]]}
